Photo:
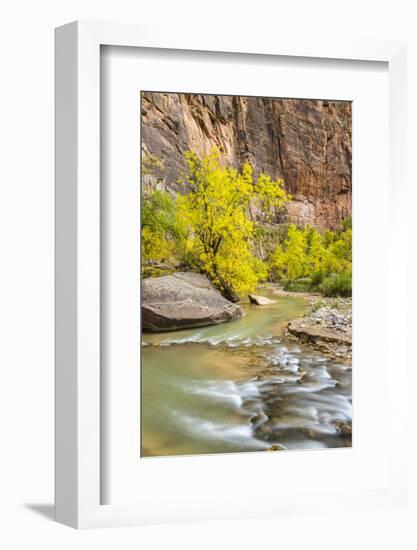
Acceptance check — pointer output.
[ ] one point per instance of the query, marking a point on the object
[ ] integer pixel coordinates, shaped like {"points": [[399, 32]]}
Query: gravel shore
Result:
{"points": [[327, 326]]}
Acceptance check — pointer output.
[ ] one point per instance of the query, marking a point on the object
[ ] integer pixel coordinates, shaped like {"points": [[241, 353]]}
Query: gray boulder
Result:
{"points": [[183, 300], [260, 300]]}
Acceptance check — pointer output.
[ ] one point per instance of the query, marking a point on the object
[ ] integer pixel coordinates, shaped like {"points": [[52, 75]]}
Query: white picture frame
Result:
{"points": [[78, 406]]}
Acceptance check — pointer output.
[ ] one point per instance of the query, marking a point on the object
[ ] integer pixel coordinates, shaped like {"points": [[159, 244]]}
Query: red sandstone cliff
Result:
{"points": [[308, 143]]}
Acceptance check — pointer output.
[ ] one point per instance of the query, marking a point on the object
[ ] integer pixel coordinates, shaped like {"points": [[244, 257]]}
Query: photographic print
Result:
{"points": [[246, 274]]}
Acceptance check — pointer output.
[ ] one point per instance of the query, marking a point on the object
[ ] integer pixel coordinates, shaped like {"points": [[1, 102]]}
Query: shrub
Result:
{"points": [[337, 284], [316, 279], [299, 285], [318, 304]]}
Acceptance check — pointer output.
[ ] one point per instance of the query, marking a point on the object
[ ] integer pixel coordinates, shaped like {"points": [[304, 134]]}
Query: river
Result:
{"points": [[242, 386]]}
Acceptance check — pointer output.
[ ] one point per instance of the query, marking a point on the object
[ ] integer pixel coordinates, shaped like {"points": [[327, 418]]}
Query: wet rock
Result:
{"points": [[276, 447], [183, 300], [260, 300], [302, 372], [311, 332], [344, 427], [258, 419]]}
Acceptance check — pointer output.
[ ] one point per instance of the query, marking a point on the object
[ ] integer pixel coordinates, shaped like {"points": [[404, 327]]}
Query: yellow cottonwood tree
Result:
{"points": [[216, 207], [288, 260]]}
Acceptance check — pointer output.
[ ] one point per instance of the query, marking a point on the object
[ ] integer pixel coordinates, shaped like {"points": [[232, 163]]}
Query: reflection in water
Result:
{"points": [[241, 386]]}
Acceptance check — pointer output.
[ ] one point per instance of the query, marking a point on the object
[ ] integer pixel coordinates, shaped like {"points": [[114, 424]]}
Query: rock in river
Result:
{"points": [[260, 300], [183, 300]]}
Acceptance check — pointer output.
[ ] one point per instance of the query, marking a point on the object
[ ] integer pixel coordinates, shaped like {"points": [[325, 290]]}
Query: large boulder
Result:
{"points": [[183, 300]]}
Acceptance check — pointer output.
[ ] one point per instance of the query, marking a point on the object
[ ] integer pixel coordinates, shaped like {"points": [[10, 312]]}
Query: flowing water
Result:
{"points": [[241, 386]]}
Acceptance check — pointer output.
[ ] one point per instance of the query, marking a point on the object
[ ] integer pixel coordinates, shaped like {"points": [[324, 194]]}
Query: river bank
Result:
{"points": [[327, 326]]}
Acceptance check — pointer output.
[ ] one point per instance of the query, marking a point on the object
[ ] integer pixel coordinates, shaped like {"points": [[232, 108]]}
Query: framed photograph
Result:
{"points": [[227, 306]]}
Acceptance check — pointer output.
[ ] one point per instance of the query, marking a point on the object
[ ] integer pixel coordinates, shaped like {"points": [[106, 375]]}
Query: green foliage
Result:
{"points": [[337, 284], [306, 260], [161, 228], [347, 222], [300, 285], [317, 305]]}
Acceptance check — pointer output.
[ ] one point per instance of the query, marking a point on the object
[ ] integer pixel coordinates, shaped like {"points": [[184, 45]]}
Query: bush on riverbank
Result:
{"points": [[298, 285], [337, 284]]}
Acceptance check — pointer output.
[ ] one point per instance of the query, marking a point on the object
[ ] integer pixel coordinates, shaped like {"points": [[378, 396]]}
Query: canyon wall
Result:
{"points": [[307, 143]]}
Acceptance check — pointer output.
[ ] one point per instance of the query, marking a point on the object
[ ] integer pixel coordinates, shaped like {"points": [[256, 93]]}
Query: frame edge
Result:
{"points": [[77, 489], [66, 345]]}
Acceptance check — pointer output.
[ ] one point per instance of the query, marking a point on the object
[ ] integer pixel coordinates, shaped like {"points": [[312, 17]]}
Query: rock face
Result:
{"points": [[308, 143], [183, 300], [260, 300], [308, 332]]}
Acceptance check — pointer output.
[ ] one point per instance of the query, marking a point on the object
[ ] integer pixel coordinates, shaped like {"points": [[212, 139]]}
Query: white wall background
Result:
{"points": [[26, 268]]}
